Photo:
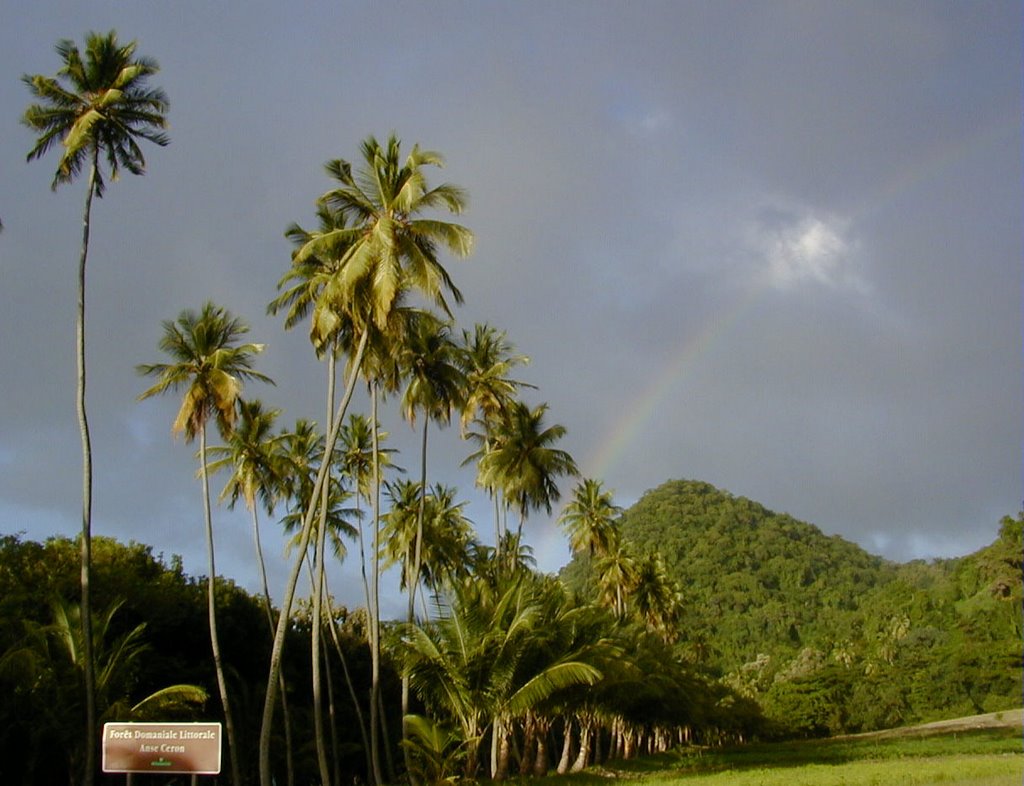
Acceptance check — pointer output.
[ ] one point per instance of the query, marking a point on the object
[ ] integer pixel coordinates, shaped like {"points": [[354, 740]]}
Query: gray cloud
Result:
{"points": [[776, 247]]}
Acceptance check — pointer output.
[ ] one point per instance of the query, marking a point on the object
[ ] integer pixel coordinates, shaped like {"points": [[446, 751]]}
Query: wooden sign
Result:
{"points": [[162, 747]]}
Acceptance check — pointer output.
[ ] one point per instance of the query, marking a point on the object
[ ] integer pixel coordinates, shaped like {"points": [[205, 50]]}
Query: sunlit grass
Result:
{"points": [[983, 757], [993, 770]]}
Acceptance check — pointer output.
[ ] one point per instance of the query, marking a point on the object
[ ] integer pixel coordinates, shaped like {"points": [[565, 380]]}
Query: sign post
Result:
{"points": [[191, 748]]}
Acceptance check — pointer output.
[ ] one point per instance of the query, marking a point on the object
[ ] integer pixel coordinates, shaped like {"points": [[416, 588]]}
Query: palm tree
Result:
{"points": [[446, 535], [99, 103], [523, 463], [356, 459], [305, 288], [469, 662], [616, 579], [589, 519], [389, 244], [388, 249], [656, 597], [208, 361], [302, 454], [400, 528], [487, 358], [448, 540], [256, 457], [254, 454], [435, 387]]}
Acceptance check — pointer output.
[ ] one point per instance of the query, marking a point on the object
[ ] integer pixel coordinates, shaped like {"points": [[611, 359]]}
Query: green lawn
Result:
{"points": [[979, 757]]}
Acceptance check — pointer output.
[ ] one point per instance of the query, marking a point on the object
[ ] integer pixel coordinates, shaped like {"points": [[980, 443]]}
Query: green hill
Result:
{"points": [[826, 636]]}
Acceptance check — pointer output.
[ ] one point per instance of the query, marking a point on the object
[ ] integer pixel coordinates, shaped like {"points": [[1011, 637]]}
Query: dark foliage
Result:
{"points": [[173, 607]]}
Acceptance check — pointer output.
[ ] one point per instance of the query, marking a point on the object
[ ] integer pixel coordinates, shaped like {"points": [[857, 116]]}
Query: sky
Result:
{"points": [[775, 247]]}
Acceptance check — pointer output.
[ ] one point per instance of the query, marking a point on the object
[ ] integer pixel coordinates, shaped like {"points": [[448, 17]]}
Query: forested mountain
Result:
{"points": [[825, 636]]}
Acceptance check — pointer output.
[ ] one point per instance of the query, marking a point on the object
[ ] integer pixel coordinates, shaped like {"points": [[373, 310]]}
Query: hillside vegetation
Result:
{"points": [[824, 636]]}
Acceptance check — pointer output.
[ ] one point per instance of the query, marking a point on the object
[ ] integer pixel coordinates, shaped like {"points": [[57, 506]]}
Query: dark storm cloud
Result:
{"points": [[827, 196]]}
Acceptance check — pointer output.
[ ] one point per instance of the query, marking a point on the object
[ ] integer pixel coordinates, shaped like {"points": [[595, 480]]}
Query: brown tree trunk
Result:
{"points": [[540, 760], [584, 755], [563, 762]]}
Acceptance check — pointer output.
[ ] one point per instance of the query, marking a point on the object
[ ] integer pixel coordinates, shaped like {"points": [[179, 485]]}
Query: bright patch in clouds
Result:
{"points": [[798, 249]]}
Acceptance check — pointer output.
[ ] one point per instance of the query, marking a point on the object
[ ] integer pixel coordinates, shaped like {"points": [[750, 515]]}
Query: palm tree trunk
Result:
{"points": [[528, 754], [211, 587], [331, 714], [470, 733], [495, 737], [285, 714], [504, 754], [376, 713], [417, 563], [581, 760], [563, 762], [497, 523], [413, 579], [332, 627], [540, 762], [267, 721], [318, 592], [83, 427]]}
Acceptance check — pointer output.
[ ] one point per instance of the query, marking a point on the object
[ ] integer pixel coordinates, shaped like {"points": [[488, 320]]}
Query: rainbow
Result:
{"points": [[931, 162], [650, 399]]}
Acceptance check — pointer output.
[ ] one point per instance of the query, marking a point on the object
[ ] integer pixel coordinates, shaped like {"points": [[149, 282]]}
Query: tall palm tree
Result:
{"points": [[448, 540], [303, 453], [656, 597], [362, 459], [304, 291], [446, 535], [435, 387], [99, 103], [389, 248], [523, 461], [255, 456], [209, 362], [253, 453], [487, 359], [302, 448], [390, 243], [616, 578], [356, 459], [403, 498], [589, 519]]}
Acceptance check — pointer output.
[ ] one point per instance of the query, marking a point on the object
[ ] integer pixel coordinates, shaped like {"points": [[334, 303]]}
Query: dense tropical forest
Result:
{"points": [[820, 638], [692, 618]]}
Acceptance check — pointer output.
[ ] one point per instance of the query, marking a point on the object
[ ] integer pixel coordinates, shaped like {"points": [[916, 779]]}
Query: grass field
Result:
{"points": [[964, 755]]}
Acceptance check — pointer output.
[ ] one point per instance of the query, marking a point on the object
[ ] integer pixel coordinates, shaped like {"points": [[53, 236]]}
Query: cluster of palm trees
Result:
{"points": [[499, 652], [523, 677]]}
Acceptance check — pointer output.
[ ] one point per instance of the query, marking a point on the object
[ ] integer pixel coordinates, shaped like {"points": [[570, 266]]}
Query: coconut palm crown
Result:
{"points": [[390, 243], [210, 362], [97, 102]]}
